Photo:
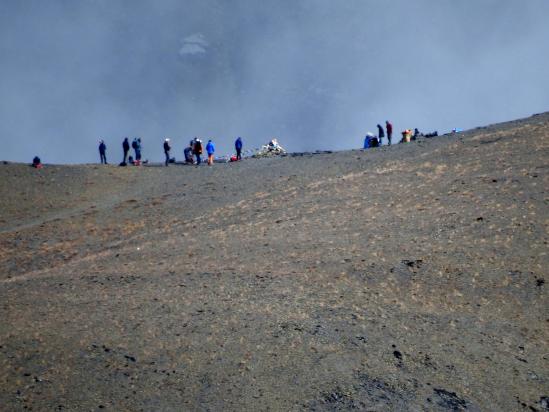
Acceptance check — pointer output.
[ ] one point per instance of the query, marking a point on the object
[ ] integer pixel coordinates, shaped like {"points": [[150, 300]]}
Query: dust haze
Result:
{"points": [[316, 74]]}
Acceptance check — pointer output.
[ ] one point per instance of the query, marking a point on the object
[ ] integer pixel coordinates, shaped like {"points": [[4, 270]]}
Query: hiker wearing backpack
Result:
{"points": [[102, 152], [389, 128], [197, 150], [210, 149], [167, 149], [238, 148], [136, 145]]}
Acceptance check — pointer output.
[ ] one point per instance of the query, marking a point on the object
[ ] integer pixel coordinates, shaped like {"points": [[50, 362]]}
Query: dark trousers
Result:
{"points": [[125, 156], [238, 154], [389, 135], [167, 158], [103, 158], [198, 159]]}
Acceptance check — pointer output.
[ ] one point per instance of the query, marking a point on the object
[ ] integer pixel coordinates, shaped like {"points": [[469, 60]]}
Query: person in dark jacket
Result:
{"points": [[188, 153], [389, 128], [167, 149], [238, 148], [126, 148], [380, 134], [102, 152], [36, 163], [197, 150]]}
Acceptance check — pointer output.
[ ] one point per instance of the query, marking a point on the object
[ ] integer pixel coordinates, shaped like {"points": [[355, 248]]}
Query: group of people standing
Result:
{"points": [[195, 149], [136, 146], [193, 152], [407, 135], [375, 141]]}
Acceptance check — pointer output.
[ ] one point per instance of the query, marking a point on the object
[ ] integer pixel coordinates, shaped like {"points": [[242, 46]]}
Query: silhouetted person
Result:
{"points": [[126, 148], [102, 152], [238, 148], [389, 128], [167, 149], [380, 134]]}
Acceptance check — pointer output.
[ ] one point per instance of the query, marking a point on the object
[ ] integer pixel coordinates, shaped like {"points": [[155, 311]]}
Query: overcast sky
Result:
{"points": [[317, 74]]}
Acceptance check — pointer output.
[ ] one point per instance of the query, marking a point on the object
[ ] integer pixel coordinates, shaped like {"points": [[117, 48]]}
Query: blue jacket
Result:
{"points": [[366, 142], [238, 144], [210, 148]]}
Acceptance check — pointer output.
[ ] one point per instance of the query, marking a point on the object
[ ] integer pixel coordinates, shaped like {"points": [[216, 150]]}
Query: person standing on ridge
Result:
{"points": [[136, 145], [380, 134], [197, 150], [102, 151], [389, 128], [238, 148], [167, 149], [126, 148], [210, 149]]}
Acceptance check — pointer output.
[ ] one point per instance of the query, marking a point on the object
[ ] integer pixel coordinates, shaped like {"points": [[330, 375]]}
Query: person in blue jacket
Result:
{"points": [[370, 141], [238, 148], [210, 149], [188, 153]]}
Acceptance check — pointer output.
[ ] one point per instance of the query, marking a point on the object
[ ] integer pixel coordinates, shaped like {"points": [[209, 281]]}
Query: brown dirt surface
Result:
{"points": [[411, 277]]}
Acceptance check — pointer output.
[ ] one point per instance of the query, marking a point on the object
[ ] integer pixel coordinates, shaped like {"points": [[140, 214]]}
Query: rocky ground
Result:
{"points": [[411, 277]]}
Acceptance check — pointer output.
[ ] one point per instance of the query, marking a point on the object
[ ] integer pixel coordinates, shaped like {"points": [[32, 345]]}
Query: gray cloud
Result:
{"points": [[318, 74]]}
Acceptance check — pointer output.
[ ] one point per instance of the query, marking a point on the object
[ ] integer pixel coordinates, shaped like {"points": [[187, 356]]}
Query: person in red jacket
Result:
{"points": [[389, 128]]}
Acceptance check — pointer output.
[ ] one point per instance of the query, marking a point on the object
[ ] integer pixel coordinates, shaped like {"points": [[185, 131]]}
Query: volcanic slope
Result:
{"points": [[411, 277]]}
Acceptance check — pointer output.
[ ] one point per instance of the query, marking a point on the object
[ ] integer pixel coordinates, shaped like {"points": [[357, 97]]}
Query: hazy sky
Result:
{"points": [[317, 74]]}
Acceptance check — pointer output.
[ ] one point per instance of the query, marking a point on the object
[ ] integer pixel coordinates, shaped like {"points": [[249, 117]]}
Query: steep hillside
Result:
{"points": [[410, 277]]}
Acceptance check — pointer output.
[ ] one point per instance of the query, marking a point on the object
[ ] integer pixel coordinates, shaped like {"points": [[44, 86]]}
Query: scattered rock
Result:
{"points": [[414, 264], [450, 400]]}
